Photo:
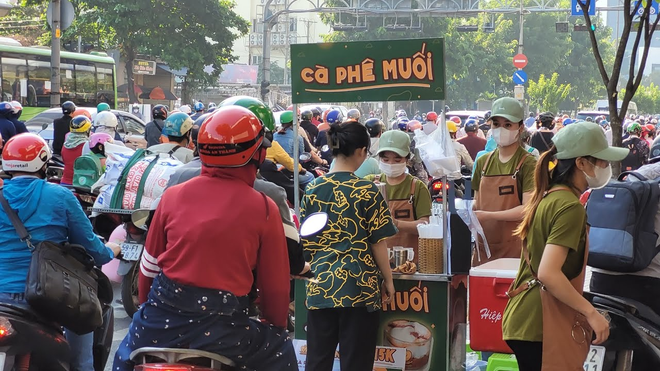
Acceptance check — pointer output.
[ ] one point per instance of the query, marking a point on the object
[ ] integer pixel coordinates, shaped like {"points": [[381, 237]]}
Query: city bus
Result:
{"points": [[86, 79]]}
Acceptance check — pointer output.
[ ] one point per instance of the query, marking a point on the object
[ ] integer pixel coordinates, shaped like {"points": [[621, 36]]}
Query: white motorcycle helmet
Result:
{"points": [[106, 119], [185, 109]]}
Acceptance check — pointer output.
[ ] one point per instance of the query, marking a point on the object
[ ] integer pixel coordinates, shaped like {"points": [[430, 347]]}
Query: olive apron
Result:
{"points": [[497, 193]]}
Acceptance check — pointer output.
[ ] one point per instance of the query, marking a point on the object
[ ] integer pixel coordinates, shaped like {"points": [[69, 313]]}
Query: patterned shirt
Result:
{"points": [[340, 256]]}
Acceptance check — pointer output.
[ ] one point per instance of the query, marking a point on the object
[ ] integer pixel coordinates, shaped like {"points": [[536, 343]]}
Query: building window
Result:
{"points": [[256, 60], [293, 24], [257, 25]]}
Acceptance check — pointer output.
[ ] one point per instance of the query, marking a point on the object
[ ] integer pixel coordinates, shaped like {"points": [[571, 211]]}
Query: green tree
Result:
{"points": [[546, 94], [647, 98], [190, 34]]}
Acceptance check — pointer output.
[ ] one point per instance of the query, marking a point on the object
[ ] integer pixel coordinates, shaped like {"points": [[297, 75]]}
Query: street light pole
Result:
{"points": [[265, 55], [55, 55]]}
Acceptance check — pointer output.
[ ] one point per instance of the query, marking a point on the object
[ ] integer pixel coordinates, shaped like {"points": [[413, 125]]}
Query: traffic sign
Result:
{"points": [[67, 14], [519, 92], [653, 11], [520, 60], [577, 10], [520, 77]]}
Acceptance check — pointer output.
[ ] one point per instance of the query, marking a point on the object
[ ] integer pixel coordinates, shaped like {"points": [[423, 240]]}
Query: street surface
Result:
{"points": [[121, 325]]}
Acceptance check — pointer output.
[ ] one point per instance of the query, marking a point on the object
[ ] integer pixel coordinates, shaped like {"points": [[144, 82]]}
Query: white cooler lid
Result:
{"points": [[500, 268]]}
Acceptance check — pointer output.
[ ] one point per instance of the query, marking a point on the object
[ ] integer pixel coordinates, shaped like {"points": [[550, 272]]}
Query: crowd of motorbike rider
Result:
{"points": [[239, 155]]}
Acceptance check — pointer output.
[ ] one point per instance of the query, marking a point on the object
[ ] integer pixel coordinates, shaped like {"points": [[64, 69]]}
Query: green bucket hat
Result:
{"points": [[586, 139], [509, 108], [396, 141]]}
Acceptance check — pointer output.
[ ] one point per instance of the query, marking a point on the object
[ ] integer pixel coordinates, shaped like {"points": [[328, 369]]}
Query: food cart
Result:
{"points": [[426, 319]]}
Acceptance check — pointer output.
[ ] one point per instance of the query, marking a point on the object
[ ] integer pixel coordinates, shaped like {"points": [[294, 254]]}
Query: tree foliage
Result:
{"points": [[546, 94], [647, 98]]}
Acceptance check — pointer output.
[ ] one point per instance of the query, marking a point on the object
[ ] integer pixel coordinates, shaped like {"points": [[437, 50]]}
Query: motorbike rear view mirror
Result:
{"points": [[44, 126], [139, 218], [304, 157], [313, 224]]}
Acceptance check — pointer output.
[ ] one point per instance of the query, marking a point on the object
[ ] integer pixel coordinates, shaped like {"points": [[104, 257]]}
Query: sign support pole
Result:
{"points": [[55, 56], [265, 54], [296, 163]]}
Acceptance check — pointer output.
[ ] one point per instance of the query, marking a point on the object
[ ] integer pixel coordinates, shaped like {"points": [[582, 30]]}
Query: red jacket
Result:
{"points": [[212, 232]]}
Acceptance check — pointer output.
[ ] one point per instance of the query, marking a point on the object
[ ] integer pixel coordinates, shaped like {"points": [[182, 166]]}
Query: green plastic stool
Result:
{"points": [[502, 362]]}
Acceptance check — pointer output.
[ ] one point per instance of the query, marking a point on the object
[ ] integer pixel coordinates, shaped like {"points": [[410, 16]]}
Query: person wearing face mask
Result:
{"points": [[542, 322], [408, 198], [503, 182]]}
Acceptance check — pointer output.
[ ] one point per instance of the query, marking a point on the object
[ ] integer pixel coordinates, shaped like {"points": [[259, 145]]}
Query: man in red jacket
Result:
{"points": [[207, 237]]}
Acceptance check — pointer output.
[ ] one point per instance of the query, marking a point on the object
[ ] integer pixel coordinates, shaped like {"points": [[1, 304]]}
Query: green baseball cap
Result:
{"points": [[395, 141], [509, 108], [586, 139]]}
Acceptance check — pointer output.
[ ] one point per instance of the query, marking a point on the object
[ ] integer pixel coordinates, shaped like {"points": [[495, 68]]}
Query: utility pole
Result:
{"points": [[265, 60], [55, 55]]}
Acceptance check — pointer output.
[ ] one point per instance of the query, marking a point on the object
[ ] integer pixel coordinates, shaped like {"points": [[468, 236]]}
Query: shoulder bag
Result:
{"points": [[62, 281]]}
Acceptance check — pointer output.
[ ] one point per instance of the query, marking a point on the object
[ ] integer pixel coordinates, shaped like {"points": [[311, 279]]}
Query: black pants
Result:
{"points": [[645, 290], [528, 353], [354, 329]]}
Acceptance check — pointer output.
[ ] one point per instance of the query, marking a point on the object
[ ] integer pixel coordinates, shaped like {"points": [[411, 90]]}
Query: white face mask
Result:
{"points": [[392, 170], [504, 137], [603, 176]]}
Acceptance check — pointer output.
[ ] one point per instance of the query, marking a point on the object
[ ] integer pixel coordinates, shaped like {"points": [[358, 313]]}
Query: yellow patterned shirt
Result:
{"points": [[341, 256]]}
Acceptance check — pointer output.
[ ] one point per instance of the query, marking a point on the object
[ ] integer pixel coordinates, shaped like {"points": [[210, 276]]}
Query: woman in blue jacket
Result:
{"points": [[50, 213]]}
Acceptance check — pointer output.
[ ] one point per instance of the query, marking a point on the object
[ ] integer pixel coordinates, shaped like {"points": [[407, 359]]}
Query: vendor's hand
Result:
{"points": [[116, 249], [601, 326], [387, 291]]}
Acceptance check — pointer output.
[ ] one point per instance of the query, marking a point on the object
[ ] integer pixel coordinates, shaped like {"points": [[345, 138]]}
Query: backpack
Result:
{"points": [[635, 159], [87, 170], [144, 179], [622, 218]]}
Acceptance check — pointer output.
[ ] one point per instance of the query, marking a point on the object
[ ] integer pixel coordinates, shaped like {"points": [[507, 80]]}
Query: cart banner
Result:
{"points": [[386, 358], [390, 70]]}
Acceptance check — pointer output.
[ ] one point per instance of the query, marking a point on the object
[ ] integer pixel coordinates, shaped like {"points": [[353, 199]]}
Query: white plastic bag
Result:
{"points": [[437, 152], [465, 211]]}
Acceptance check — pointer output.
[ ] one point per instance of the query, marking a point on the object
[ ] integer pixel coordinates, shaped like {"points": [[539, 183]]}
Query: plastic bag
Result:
{"points": [[437, 152], [465, 211]]}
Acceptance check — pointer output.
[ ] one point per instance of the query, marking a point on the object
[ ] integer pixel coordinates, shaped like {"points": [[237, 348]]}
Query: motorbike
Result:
{"points": [[30, 342], [307, 164], [55, 169], [131, 249], [634, 331], [152, 358]]}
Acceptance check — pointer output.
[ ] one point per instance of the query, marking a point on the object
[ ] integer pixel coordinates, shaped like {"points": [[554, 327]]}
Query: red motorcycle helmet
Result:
{"points": [[230, 137], [431, 116], [25, 153]]}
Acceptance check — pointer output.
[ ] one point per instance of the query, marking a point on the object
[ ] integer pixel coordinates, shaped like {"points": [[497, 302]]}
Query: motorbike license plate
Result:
{"points": [[594, 361], [131, 251]]}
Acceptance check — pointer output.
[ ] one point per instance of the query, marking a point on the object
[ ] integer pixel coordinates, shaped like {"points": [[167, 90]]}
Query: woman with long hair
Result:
{"points": [[547, 322]]}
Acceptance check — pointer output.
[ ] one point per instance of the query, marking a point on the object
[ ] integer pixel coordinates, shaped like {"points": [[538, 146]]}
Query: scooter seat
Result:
{"points": [[27, 313], [644, 311]]}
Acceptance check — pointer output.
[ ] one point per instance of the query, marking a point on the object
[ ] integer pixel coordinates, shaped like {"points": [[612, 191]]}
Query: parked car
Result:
{"points": [[130, 128]]}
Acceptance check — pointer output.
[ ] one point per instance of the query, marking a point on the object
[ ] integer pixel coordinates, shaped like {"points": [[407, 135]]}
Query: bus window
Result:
{"points": [[85, 85], [67, 82], [38, 84], [13, 71], [106, 84]]}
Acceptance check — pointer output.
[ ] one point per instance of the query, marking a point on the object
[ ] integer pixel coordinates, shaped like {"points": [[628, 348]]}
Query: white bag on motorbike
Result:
{"points": [[155, 184], [437, 152]]}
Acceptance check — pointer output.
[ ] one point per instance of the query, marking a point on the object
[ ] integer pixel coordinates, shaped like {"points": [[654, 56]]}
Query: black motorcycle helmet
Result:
{"points": [[654, 156], [306, 115], [68, 107], [374, 127], [547, 120], [159, 112]]}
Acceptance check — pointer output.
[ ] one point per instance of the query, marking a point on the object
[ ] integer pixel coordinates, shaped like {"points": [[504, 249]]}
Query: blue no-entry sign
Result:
{"points": [[577, 10], [519, 77]]}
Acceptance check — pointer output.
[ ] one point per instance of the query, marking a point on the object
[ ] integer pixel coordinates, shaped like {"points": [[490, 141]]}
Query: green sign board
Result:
{"points": [[373, 71], [418, 320]]}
